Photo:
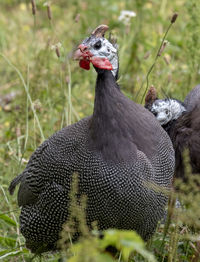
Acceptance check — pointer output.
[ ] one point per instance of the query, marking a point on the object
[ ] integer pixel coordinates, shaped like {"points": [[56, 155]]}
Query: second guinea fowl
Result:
{"points": [[182, 122], [122, 155]]}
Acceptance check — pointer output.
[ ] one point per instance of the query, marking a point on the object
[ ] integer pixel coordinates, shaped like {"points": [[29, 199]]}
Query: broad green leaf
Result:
{"points": [[7, 241], [97, 258], [118, 238], [88, 250], [7, 220], [126, 242]]}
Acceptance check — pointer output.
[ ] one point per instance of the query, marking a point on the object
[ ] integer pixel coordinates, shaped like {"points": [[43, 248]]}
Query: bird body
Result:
{"points": [[192, 99], [120, 153]]}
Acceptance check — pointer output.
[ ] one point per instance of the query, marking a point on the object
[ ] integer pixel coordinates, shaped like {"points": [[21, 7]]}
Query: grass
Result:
{"points": [[51, 92]]}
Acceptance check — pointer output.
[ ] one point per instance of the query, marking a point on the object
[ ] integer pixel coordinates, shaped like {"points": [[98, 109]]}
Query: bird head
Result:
{"points": [[165, 110], [97, 50]]}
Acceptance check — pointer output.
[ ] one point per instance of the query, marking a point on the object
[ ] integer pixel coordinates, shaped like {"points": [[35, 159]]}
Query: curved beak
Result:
{"points": [[84, 56], [78, 54], [82, 52]]}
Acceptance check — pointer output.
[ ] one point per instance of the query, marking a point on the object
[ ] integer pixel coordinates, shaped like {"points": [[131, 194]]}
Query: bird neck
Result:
{"points": [[107, 93], [108, 130], [169, 126]]}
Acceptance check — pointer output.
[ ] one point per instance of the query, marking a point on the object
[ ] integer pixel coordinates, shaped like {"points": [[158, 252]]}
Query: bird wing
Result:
{"points": [[25, 195], [54, 156]]}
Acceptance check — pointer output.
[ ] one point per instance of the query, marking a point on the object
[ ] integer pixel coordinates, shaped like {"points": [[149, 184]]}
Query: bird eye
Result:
{"points": [[97, 45], [166, 111], [155, 113]]}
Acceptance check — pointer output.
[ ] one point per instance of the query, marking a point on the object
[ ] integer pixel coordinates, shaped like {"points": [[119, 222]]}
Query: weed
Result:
{"points": [[51, 92]]}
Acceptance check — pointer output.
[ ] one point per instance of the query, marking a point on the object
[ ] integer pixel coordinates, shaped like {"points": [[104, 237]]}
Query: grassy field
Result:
{"points": [[41, 92]]}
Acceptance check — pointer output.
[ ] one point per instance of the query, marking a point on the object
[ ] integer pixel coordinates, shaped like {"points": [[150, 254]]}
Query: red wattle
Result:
{"points": [[85, 64], [102, 63]]}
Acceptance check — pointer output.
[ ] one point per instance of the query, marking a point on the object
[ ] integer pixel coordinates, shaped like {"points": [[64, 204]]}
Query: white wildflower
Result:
{"points": [[58, 45], [126, 15], [46, 3], [53, 47], [24, 161]]}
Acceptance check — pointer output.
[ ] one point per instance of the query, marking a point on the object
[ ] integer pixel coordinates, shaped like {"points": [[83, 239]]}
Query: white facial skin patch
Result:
{"points": [[101, 47], [167, 110]]}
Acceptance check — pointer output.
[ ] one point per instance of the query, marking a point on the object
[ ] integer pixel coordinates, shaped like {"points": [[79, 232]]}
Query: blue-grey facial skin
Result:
{"points": [[167, 110], [101, 47]]}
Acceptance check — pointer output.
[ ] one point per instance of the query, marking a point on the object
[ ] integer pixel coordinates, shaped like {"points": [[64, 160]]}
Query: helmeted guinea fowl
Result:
{"points": [[182, 122], [120, 153]]}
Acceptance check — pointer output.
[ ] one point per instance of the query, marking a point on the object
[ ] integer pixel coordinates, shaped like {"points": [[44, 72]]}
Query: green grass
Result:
{"points": [[52, 92]]}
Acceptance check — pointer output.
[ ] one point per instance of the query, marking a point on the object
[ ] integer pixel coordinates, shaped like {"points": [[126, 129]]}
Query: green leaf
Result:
{"points": [[97, 258], [12, 252], [120, 238], [88, 250], [8, 220], [126, 242], [7, 241]]}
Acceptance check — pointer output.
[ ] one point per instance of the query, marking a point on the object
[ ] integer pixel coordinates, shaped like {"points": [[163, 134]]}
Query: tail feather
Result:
{"points": [[14, 183]]}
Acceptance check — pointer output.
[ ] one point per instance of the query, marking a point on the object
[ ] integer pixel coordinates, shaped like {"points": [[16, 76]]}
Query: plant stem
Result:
{"points": [[152, 66]]}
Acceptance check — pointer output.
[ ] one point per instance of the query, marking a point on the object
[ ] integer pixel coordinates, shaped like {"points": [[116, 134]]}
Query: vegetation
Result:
{"points": [[42, 89]]}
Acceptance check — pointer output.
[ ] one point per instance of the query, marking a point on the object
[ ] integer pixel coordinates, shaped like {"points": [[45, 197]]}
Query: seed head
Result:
{"points": [[77, 18], [18, 131], [166, 58], [174, 17], [47, 4], [49, 12], [151, 96], [147, 54], [162, 48], [57, 51], [33, 7]]}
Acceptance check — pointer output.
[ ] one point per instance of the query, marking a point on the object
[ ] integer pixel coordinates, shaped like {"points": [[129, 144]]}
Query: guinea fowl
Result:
{"points": [[120, 153], [182, 122]]}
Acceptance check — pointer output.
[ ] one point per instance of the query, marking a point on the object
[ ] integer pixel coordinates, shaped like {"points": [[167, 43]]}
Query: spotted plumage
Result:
{"points": [[124, 161]]}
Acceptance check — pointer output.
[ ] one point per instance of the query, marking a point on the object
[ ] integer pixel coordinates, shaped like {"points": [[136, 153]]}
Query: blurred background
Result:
{"points": [[42, 89], [29, 42]]}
